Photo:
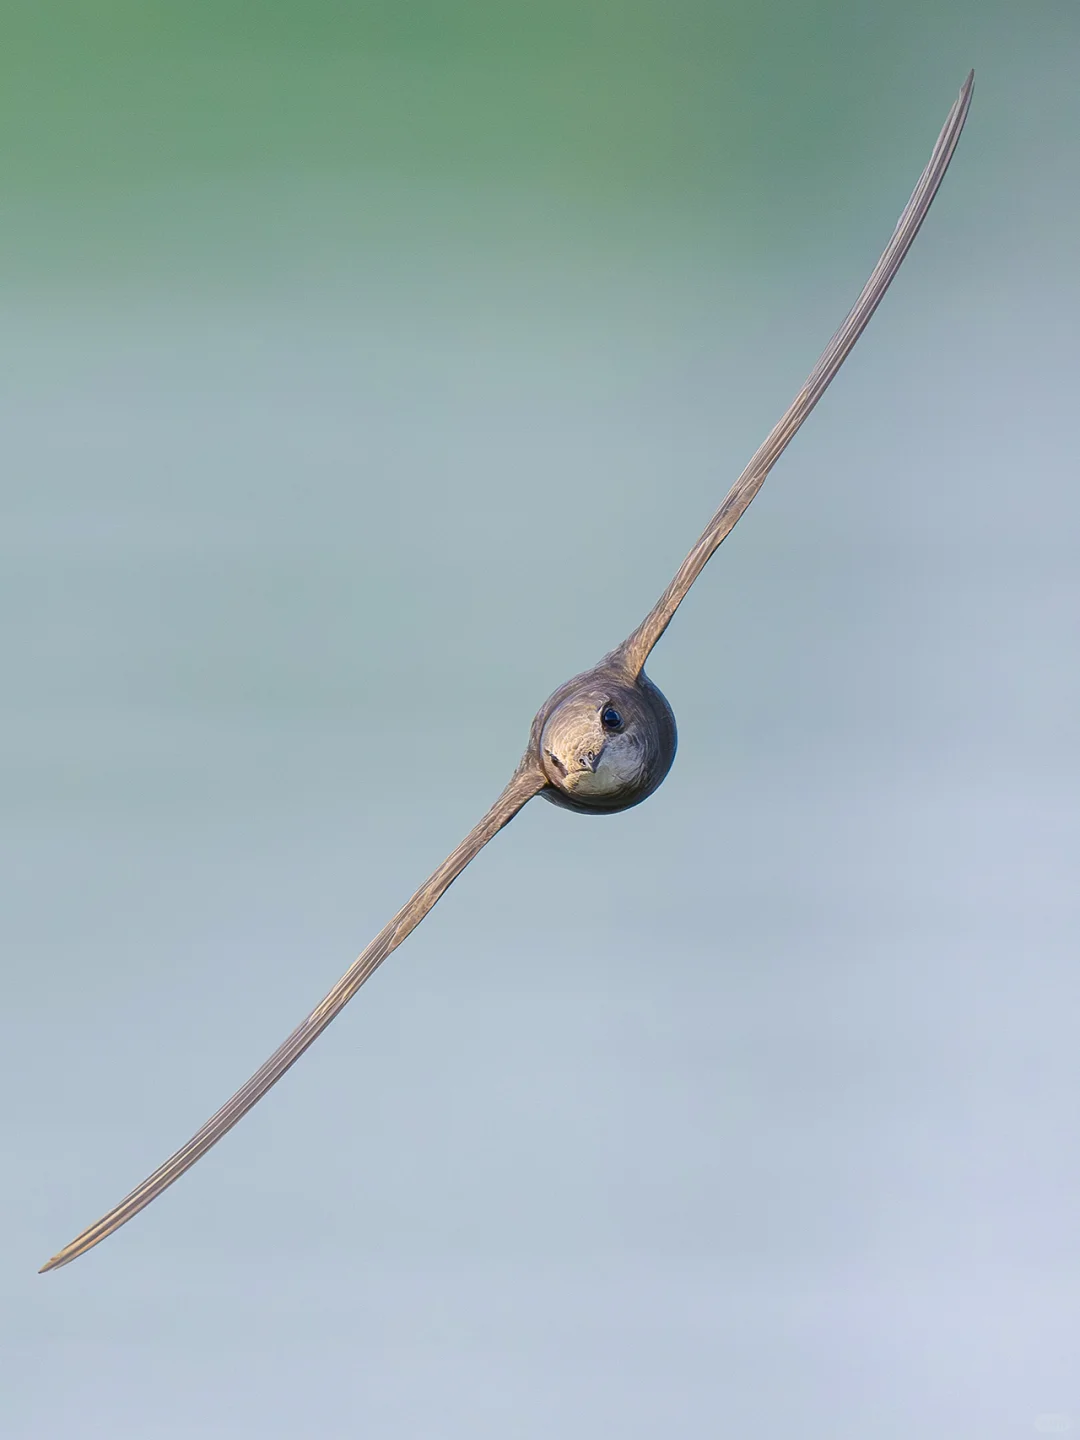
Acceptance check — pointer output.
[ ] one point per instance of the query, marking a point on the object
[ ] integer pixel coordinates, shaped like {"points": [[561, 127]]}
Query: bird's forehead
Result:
{"points": [[575, 717], [584, 706]]}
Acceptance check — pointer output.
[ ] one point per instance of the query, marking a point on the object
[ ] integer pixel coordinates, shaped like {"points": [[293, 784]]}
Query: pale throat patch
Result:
{"points": [[618, 768]]}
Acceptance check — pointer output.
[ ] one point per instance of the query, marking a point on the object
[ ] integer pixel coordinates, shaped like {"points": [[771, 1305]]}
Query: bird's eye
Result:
{"points": [[610, 718]]}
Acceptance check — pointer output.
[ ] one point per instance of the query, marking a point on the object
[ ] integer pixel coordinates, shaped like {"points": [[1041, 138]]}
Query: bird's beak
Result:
{"points": [[589, 762]]}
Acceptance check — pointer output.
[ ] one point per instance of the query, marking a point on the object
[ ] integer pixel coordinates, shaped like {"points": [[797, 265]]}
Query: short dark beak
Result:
{"points": [[592, 759]]}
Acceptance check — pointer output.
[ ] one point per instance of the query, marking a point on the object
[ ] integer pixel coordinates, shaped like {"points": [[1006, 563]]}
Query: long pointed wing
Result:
{"points": [[526, 783], [635, 649]]}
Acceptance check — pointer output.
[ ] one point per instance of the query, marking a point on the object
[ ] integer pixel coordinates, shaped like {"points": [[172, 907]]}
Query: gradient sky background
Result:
{"points": [[365, 371]]}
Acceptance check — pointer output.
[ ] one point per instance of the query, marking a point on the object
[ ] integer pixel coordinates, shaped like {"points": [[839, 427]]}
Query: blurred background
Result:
{"points": [[365, 371]]}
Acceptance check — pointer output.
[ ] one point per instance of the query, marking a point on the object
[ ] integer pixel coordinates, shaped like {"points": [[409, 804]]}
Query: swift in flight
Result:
{"points": [[603, 742]]}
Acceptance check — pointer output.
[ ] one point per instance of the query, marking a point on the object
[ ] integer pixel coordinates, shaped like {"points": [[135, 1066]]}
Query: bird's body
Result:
{"points": [[603, 742]]}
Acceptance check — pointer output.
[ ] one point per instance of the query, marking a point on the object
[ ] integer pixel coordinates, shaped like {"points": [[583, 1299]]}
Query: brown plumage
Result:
{"points": [[603, 742]]}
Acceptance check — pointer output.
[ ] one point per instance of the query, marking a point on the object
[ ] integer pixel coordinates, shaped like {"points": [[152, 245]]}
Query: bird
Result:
{"points": [[603, 742]]}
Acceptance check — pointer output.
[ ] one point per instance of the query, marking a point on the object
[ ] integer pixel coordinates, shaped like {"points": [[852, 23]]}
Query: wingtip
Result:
{"points": [[64, 1257]]}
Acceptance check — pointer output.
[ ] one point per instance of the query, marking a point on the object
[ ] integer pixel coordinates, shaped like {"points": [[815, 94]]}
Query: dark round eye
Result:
{"points": [[610, 718]]}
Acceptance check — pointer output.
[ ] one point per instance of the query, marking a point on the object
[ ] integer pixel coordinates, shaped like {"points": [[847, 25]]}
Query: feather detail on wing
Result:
{"points": [[635, 649], [526, 783]]}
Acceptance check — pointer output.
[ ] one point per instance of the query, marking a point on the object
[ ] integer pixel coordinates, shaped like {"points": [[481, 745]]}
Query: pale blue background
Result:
{"points": [[327, 452]]}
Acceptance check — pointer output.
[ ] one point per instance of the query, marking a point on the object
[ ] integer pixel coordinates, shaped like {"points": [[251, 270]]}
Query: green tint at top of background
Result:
{"points": [[592, 99]]}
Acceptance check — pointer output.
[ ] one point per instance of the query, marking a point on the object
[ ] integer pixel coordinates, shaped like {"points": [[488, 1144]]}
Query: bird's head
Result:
{"points": [[605, 741]]}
